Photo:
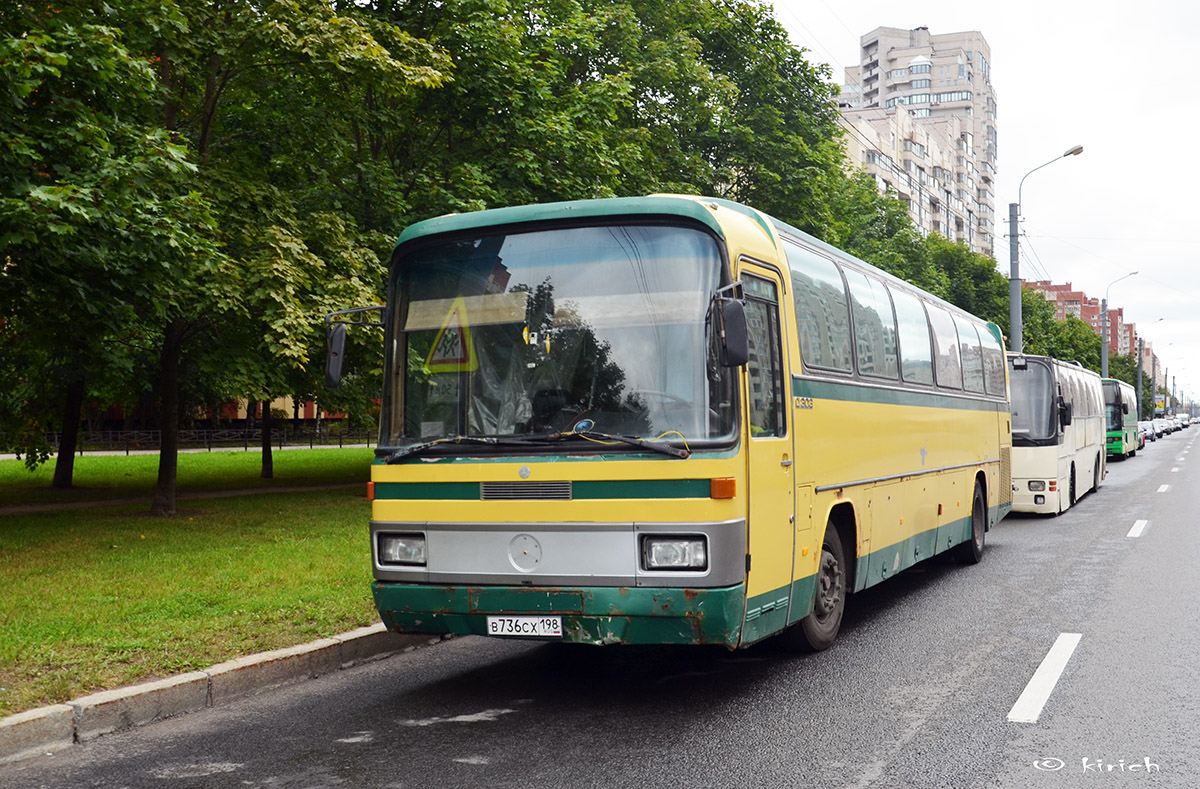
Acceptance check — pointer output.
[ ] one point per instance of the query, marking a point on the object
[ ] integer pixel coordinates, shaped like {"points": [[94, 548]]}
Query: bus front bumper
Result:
{"points": [[1042, 502], [589, 615]]}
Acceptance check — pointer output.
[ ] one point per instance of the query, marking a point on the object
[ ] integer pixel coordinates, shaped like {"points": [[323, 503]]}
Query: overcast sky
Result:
{"points": [[1113, 77]]}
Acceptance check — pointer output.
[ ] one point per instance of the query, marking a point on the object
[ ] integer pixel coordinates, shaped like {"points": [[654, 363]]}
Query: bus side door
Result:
{"points": [[770, 456]]}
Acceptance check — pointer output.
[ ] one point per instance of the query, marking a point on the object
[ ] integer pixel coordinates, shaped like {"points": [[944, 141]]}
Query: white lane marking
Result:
{"points": [[1175, 469], [1163, 488], [1029, 705], [196, 770], [475, 717], [1138, 528]]}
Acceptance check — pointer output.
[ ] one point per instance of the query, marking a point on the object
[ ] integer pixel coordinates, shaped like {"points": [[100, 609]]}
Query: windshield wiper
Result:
{"points": [[415, 449], [397, 455], [656, 446]]}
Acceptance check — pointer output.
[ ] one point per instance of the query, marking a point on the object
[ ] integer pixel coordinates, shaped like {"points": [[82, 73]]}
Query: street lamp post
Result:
{"points": [[1141, 351], [1104, 325], [1015, 341]]}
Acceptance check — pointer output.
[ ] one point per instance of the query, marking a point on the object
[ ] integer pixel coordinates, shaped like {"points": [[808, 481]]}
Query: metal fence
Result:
{"points": [[238, 438]]}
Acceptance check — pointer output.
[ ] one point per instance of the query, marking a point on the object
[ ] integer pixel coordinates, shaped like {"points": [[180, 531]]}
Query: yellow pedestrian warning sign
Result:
{"points": [[453, 351]]}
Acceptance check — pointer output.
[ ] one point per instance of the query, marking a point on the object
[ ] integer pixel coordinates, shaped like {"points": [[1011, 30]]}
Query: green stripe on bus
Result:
{"points": [[642, 489], [856, 392], [411, 491], [581, 490]]}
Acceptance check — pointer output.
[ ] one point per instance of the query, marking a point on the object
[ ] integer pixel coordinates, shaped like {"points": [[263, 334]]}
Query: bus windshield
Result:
{"points": [[1033, 402], [573, 330], [1113, 415]]}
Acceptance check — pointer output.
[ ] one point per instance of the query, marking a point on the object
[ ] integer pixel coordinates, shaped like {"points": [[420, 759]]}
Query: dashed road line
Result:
{"points": [[1163, 488], [1138, 528], [1031, 701]]}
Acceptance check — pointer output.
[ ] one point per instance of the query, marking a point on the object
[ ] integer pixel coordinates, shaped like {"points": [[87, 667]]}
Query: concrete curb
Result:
{"points": [[49, 729]]}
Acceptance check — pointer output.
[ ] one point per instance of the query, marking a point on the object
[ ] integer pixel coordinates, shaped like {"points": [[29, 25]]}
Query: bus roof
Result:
{"points": [[663, 205], [692, 207]]}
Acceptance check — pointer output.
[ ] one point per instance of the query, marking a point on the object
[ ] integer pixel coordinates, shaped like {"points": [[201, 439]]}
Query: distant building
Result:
{"points": [[1122, 336], [920, 112]]}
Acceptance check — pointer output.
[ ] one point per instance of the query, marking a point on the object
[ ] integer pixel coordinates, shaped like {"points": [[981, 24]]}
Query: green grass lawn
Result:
{"points": [[108, 477], [102, 597]]}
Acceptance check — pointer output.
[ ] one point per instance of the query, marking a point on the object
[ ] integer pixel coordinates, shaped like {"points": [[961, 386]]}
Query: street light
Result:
{"points": [[1015, 327], [1104, 325]]}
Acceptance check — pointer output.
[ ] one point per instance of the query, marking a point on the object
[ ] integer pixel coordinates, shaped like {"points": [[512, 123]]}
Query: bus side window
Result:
{"points": [[874, 326], [764, 371], [822, 313], [915, 349], [993, 363], [971, 354], [947, 362]]}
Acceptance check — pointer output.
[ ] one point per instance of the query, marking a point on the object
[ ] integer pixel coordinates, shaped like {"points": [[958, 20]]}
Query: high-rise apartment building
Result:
{"points": [[922, 116], [1122, 336]]}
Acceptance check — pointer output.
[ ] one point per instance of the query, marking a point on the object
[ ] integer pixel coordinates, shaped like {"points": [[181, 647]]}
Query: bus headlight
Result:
{"points": [[402, 549], [1037, 484], [674, 553]]}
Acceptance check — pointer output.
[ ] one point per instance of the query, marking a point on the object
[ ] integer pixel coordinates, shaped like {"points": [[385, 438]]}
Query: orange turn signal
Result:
{"points": [[370, 491], [722, 488]]}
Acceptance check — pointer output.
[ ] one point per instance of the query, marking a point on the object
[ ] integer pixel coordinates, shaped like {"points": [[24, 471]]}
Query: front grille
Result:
{"points": [[525, 491]]}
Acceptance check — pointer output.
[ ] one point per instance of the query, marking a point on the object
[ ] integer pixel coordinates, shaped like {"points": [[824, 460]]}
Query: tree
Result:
{"points": [[1040, 329], [1078, 342], [974, 283], [94, 202], [234, 79]]}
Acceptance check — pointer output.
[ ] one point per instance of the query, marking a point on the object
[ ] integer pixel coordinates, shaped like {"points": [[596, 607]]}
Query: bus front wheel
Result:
{"points": [[818, 630]]}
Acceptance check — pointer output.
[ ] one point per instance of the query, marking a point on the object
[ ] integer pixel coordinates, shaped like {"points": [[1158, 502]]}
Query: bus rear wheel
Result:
{"points": [[818, 630], [971, 551]]}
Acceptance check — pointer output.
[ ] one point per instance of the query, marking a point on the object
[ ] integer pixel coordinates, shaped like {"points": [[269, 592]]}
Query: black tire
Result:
{"points": [[819, 629], [971, 551], [1071, 499], [1096, 475]]}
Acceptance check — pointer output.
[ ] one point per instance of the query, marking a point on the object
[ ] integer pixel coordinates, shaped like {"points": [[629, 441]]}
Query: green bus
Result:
{"points": [[1121, 416]]}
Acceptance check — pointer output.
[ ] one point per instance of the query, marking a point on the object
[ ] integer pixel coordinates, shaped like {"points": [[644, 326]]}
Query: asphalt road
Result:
{"points": [[917, 692]]}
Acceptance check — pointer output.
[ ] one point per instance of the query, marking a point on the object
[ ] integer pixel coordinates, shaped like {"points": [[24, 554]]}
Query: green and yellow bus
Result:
{"points": [[667, 419], [1121, 418]]}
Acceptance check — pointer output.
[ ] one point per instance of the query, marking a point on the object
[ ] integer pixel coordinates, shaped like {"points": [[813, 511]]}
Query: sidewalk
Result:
{"points": [[47, 730]]}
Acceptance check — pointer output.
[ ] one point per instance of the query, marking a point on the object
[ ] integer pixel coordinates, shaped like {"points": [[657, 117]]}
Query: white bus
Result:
{"points": [[1059, 433]]}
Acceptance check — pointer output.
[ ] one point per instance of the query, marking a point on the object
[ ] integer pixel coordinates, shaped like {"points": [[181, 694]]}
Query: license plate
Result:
{"points": [[530, 626]]}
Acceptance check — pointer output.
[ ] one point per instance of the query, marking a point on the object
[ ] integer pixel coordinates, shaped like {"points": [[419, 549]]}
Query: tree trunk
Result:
{"points": [[268, 462], [168, 420], [64, 467]]}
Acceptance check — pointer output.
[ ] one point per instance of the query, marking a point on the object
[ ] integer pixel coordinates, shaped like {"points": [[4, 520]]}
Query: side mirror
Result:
{"points": [[1125, 408], [735, 337], [335, 336], [1065, 410]]}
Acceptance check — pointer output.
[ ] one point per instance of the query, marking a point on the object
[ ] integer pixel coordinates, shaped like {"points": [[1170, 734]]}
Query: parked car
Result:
{"points": [[1146, 428], [1162, 426], [1141, 436]]}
